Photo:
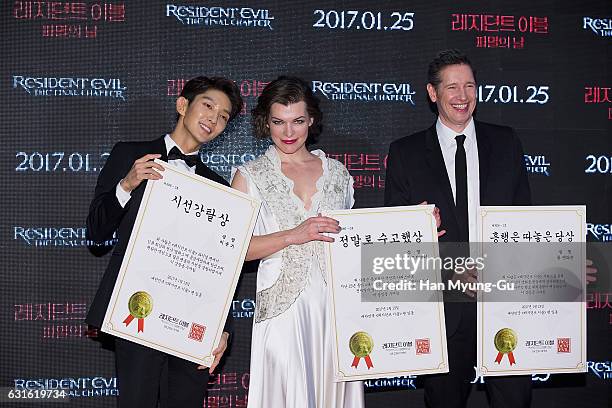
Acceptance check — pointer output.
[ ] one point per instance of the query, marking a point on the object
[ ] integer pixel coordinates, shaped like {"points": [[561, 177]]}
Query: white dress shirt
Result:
{"points": [[448, 145], [123, 196]]}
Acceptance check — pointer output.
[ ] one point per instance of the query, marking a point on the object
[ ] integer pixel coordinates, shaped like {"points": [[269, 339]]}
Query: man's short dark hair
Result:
{"points": [[286, 90], [443, 60], [201, 84]]}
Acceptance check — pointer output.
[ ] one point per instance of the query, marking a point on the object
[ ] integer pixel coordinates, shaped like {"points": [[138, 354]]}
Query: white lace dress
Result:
{"points": [[291, 350]]}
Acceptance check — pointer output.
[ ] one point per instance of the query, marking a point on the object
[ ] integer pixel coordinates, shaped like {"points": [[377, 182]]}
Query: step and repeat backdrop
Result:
{"points": [[79, 76]]}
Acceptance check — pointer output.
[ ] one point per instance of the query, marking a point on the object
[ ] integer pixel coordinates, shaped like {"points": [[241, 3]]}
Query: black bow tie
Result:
{"points": [[191, 160]]}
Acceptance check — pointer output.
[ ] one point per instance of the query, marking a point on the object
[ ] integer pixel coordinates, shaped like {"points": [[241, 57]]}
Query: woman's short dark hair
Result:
{"points": [[443, 60], [201, 84], [286, 90]]}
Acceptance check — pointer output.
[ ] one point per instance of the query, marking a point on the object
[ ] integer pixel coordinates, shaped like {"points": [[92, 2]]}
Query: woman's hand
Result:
{"points": [[312, 230]]}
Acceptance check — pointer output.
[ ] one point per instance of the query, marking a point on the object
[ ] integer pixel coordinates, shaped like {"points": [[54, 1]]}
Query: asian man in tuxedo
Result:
{"points": [[457, 164], [145, 376]]}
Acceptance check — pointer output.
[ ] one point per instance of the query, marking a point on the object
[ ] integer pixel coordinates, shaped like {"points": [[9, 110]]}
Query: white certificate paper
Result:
{"points": [[181, 265], [383, 338], [524, 335]]}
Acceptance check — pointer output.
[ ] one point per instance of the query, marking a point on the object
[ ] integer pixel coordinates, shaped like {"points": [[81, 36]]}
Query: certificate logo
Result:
{"points": [[564, 345], [197, 332], [140, 306], [361, 345], [505, 343], [423, 346], [177, 324]]}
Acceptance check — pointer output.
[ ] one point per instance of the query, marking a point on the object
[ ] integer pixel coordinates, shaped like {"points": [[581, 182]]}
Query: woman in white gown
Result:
{"points": [[291, 352]]}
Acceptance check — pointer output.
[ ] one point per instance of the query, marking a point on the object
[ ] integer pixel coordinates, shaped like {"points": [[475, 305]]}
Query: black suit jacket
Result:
{"points": [[107, 216], [416, 173]]}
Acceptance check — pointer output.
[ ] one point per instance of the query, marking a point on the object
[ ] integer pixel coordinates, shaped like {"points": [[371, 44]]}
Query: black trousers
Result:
{"points": [[146, 376], [452, 390]]}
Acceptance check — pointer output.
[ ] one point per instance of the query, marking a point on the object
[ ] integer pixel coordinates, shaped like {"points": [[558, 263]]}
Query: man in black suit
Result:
{"points": [[458, 164], [205, 106]]}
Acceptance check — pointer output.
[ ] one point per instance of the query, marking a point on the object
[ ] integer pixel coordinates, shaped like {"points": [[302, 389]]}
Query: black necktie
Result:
{"points": [[191, 160], [461, 196]]}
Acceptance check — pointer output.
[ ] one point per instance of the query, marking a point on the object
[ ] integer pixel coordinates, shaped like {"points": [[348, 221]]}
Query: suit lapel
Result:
{"points": [[484, 153], [435, 160], [201, 169]]}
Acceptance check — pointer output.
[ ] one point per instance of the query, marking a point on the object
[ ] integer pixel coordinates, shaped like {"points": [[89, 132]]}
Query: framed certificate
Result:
{"points": [[381, 326], [181, 265], [536, 323]]}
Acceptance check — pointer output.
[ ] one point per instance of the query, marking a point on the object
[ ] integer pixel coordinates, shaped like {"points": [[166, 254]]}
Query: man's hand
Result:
{"points": [[218, 353], [469, 276], [438, 219], [142, 169]]}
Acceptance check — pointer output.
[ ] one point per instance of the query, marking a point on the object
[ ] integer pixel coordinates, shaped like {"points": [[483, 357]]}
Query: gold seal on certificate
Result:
{"points": [[505, 342], [361, 345], [140, 306]]}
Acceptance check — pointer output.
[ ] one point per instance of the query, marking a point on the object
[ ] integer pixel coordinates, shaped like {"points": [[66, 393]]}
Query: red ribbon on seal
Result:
{"points": [[500, 355], [129, 319], [367, 359]]}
